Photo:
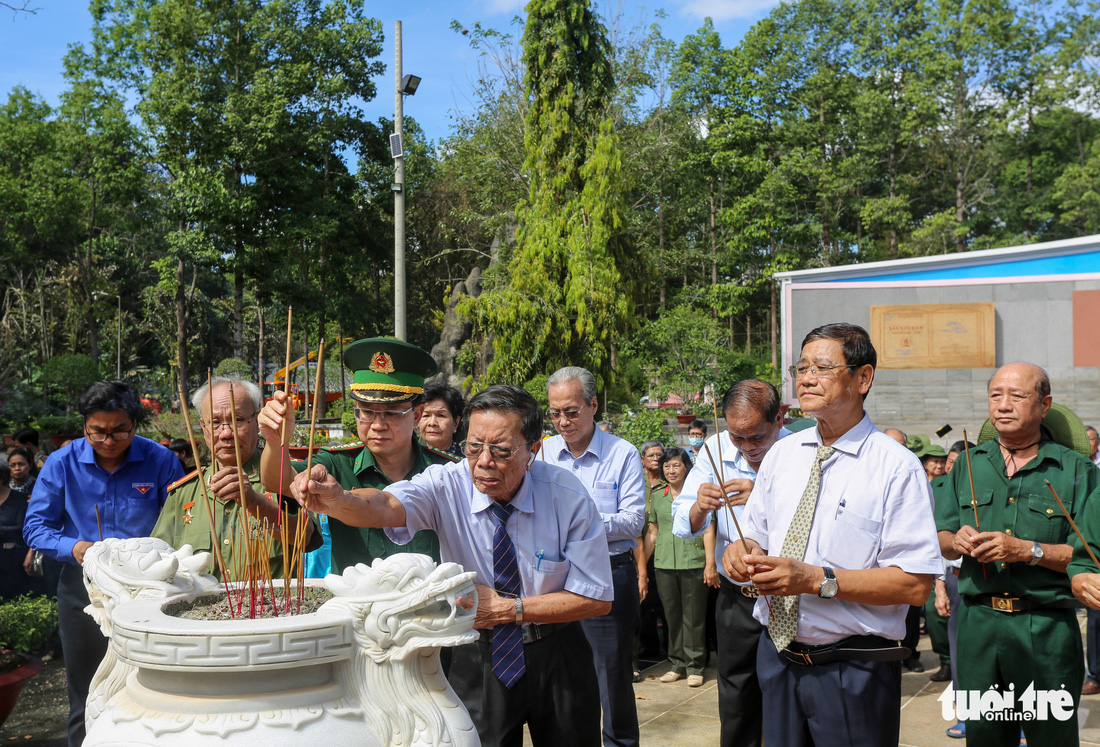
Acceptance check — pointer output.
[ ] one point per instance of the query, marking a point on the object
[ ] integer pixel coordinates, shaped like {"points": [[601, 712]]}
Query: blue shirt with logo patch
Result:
{"points": [[71, 485]]}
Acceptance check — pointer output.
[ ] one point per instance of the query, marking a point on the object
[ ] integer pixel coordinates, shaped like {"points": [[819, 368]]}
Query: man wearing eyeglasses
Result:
{"points": [[184, 519], [536, 542], [840, 539], [611, 469], [387, 386], [111, 483]]}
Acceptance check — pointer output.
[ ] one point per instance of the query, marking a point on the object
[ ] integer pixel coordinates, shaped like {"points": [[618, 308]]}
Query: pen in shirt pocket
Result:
{"points": [[539, 556]]}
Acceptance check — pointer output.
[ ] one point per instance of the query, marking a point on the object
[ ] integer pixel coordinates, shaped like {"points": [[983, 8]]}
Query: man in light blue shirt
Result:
{"points": [[611, 469], [753, 424], [111, 483], [560, 556]]}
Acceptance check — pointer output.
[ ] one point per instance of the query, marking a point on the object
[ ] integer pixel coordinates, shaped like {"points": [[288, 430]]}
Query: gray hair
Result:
{"points": [[251, 390], [575, 373]]}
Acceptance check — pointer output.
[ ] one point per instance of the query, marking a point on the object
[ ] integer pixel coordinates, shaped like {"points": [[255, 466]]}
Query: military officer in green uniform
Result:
{"points": [[387, 384], [1017, 627], [184, 519]]}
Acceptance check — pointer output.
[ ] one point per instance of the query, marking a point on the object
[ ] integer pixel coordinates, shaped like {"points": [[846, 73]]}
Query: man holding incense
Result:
{"points": [[1017, 627], [387, 386], [537, 543], [111, 483], [611, 469], [230, 429], [753, 425], [840, 539]]}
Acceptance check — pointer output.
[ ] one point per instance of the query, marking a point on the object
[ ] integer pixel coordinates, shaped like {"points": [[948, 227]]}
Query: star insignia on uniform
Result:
{"points": [[187, 518], [381, 363]]}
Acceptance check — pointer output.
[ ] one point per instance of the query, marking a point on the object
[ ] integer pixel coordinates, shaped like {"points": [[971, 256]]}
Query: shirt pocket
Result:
{"points": [[1043, 521], [138, 514], [605, 494], [853, 541], [550, 576]]}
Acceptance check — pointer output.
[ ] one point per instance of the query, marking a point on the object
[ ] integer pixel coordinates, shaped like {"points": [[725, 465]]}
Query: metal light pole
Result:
{"points": [[118, 351], [398, 195]]}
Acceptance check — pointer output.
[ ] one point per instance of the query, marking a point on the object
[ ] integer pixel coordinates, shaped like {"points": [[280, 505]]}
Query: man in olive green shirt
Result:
{"points": [[185, 520], [1017, 626], [387, 384]]}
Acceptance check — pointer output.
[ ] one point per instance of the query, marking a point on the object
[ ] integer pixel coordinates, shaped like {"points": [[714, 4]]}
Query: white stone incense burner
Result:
{"points": [[362, 670]]}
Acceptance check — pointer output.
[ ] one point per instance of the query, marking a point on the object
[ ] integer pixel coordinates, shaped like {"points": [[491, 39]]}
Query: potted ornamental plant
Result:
{"points": [[26, 623]]}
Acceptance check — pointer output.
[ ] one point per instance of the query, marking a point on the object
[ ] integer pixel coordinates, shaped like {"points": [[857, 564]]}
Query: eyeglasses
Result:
{"points": [[98, 437], [473, 449], [216, 426], [569, 414], [365, 415], [821, 372]]}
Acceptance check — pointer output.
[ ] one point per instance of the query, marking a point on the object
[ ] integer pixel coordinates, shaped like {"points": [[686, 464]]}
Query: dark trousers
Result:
{"points": [[1092, 646], [912, 631], [739, 699], [937, 630], [611, 637], [556, 696], [83, 644], [852, 703], [685, 599]]}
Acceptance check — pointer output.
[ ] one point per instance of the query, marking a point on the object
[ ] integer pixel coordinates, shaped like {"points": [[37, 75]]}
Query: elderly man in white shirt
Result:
{"points": [[537, 543], [841, 537], [611, 469], [754, 423]]}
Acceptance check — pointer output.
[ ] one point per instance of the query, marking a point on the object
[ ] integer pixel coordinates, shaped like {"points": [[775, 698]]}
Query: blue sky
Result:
{"points": [[32, 46]]}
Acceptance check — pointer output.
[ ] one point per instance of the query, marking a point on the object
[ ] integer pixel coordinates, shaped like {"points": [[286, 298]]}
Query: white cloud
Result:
{"points": [[725, 10]]}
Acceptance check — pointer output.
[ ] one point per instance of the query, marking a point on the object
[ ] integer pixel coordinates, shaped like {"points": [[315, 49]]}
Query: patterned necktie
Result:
{"points": [[508, 663], [783, 623]]}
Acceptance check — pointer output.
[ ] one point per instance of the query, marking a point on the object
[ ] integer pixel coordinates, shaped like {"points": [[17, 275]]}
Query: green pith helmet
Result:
{"points": [[917, 443], [385, 369]]}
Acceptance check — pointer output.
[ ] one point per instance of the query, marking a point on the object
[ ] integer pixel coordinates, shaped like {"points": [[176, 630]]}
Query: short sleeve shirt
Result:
{"points": [[354, 467]]}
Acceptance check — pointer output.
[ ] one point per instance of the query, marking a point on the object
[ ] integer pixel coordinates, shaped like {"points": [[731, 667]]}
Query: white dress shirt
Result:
{"points": [[734, 467], [556, 531], [611, 469], [874, 511]]}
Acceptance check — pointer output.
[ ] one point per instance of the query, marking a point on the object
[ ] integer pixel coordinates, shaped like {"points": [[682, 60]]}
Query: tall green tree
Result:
{"points": [[561, 297]]}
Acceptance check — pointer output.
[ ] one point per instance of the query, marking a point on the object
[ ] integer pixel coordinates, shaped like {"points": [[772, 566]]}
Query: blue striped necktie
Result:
{"points": [[508, 663]]}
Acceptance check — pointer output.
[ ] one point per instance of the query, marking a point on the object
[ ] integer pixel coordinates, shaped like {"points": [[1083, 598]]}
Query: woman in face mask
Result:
{"points": [[697, 434]]}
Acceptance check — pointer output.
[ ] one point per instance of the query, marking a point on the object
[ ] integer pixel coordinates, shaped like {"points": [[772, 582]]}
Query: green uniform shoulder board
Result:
{"points": [[185, 479], [439, 452], [349, 447]]}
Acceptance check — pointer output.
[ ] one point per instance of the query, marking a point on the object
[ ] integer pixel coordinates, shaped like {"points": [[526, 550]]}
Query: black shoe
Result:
{"points": [[913, 664], [942, 675]]}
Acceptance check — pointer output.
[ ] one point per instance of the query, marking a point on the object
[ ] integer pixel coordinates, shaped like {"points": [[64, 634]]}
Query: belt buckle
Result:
{"points": [[1003, 604], [749, 591]]}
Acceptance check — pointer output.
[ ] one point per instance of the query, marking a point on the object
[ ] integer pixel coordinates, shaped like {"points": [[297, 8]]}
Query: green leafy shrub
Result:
{"points": [[64, 424], [70, 374], [234, 367], [644, 425], [26, 623]]}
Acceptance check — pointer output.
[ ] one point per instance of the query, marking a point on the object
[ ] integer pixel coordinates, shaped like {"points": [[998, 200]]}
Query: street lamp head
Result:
{"points": [[409, 84]]}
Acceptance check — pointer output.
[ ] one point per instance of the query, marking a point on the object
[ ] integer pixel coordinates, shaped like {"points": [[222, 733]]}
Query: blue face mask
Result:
{"points": [[695, 442]]}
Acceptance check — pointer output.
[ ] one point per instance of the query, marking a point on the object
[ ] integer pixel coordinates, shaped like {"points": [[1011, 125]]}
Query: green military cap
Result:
{"points": [[917, 443], [385, 369], [931, 450]]}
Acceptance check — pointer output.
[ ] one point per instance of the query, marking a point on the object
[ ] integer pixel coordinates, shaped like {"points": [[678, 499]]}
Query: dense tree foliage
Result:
{"points": [[608, 187]]}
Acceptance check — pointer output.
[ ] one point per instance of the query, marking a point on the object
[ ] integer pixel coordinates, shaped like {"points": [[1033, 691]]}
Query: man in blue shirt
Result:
{"points": [[753, 425], [111, 483], [536, 542], [611, 469]]}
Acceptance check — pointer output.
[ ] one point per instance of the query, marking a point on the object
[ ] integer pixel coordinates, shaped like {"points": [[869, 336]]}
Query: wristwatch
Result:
{"points": [[519, 610], [829, 586], [1036, 554]]}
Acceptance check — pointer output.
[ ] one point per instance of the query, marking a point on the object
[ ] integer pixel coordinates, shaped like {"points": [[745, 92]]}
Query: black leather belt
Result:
{"points": [[622, 558], [852, 648], [1017, 604], [531, 633]]}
